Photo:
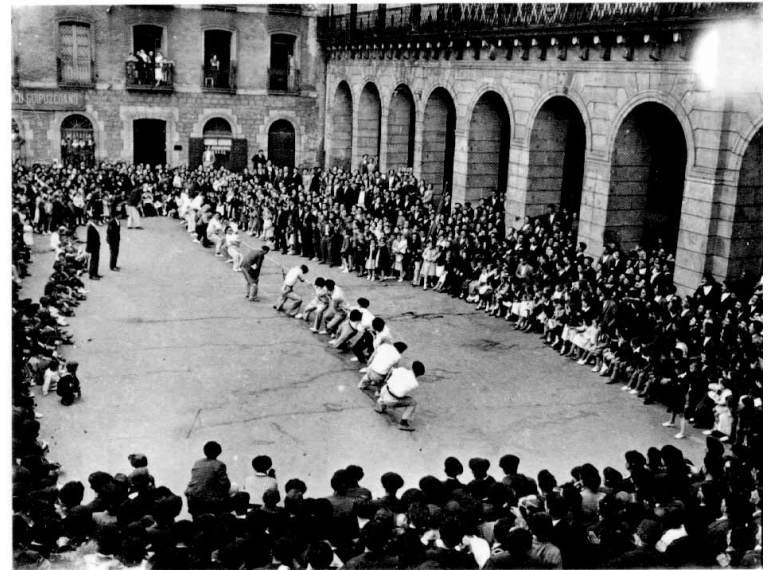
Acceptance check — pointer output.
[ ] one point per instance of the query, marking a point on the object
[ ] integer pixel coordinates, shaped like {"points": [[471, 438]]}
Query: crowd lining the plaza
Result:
{"points": [[700, 355]]}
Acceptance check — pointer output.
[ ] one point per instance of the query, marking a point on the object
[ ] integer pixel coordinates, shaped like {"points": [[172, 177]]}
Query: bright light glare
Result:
{"points": [[727, 58]]}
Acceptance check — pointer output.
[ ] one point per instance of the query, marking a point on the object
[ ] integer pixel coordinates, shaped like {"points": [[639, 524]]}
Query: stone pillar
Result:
{"points": [[516, 189], [418, 131], [694, 229], [384, 135], [355, 155], [593, 204], [460, 175]]}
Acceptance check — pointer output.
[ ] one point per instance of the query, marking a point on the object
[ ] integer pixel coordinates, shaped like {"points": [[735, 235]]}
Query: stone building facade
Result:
{"points": [[73, 72], [645, 118]]}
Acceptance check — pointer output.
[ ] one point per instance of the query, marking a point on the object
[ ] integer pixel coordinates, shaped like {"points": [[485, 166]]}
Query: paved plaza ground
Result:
{"points": [[172, 355]]}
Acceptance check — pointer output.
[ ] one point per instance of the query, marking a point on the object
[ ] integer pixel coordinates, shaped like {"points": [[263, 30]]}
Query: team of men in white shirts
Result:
{"points": [[356, 328]]}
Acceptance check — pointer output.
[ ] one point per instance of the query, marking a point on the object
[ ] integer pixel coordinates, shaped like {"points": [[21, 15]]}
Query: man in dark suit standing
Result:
{"points": [[113, 240], [93, 245]]}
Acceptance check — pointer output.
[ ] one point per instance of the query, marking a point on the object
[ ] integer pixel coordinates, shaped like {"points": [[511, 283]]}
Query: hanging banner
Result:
{"points": [[48, 100]]}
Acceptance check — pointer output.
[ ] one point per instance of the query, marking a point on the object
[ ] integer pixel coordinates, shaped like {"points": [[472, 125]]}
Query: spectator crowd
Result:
{"points": [[699, 355]]}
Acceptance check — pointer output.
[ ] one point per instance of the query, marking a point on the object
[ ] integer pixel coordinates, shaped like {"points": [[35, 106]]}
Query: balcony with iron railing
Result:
{"points": [[158, 78], [75, 74], [447, 20], [221, 79], [283, 80]]}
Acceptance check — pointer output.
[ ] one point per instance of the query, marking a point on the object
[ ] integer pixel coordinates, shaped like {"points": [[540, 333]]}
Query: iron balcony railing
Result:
{"points": [[283, 80], [464, 18], [75, 74], [150, 77], [222, 79]]}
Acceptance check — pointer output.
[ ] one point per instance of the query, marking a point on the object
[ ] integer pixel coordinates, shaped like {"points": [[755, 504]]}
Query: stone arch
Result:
{"points": [[576, 98], [481, 92], [665, 100], [746, 234], [648, 165], [207, 114], [556, 155], [489, 143], [369, 127], [263, 134], [341, 127], [439, 121], [401, 127]]}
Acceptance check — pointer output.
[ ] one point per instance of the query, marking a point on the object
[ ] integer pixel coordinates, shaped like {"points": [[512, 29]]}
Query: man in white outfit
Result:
{"points": [[294, 276], [382, 361], [395, 393]]}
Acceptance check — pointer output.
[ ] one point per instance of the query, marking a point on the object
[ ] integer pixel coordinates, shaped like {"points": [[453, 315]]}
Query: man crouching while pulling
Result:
{"points": [[395, 393], [382, 361]]}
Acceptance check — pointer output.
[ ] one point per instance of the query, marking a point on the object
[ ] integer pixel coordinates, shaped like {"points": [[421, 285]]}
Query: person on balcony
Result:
{"points": [[159, 63], [144, 63]]}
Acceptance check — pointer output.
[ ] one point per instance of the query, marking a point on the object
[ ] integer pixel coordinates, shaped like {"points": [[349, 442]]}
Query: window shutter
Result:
{"points": [[196, 152], [239, 155]]}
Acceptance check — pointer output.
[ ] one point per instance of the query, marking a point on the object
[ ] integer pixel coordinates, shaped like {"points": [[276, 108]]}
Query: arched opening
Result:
{"points": [[557, 147], [438, 140], [341, 131], [149, 141], [746, 239], [280, 143], [77, 141], [401, 129], [217, 143], [489, 140], [369, 115], [647, 179]]}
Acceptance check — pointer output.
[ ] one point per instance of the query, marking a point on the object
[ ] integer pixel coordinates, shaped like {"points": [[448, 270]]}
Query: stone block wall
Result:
{"points": [[604, 93], [250, 110]]}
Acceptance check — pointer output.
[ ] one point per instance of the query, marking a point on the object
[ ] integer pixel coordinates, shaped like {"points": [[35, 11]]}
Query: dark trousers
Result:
{"points": [[364, 347], [93, 264], [114, 250]]}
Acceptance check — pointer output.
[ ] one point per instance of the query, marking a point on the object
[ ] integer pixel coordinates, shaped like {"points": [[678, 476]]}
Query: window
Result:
{"points": [[218, 69], [283, 73], [147, 66], [75, 66], [77, 140]]}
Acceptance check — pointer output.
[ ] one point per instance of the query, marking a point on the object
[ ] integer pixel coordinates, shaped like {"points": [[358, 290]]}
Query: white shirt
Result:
{"points": [[402, 381], [50, 380], [214, 227], [384, 358], [383, 337], [256, 484], [292, 276], [338, 297], [366, 320]]}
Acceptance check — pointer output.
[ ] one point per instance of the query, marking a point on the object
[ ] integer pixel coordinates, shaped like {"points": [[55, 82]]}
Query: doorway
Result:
{"points": [[280, 144], [150, 141]]}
